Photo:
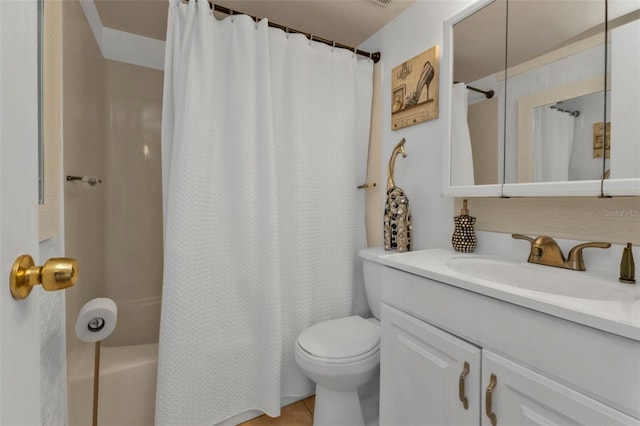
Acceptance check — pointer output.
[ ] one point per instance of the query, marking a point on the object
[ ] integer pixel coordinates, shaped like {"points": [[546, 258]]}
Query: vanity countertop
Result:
{"points": [[616, 309]]}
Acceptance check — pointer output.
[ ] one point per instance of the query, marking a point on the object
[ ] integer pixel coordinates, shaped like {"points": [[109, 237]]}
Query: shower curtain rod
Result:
{"points": [[488, 93], [575, 113], [375, 56]]}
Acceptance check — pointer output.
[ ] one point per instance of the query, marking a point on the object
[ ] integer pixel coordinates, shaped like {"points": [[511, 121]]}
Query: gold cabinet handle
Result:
{"points": [[56, 274], [493, 380], [463, 398]]}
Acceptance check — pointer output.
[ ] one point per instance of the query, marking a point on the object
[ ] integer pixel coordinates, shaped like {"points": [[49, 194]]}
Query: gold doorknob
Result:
{"points": [[57, 273]]}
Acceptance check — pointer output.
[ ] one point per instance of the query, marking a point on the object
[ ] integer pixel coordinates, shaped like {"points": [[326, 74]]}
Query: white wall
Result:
{"points": [[420, 173]]}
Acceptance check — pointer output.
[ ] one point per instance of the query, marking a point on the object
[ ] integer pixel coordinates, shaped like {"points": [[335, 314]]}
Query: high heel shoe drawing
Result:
{"points": [[428, 72]]}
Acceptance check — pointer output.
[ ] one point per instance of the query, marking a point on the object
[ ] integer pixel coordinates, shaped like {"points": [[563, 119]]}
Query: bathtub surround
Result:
{"points": [[112, 113], [133, 194], [287, 121], [83, 153]]}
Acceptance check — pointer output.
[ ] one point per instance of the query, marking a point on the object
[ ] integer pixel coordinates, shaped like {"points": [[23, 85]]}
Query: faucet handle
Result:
{"points": [[576, 261], [522, 237]]}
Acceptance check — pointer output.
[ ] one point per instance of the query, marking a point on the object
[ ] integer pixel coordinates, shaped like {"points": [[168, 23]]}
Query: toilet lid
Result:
{"points": [[340, 338]]}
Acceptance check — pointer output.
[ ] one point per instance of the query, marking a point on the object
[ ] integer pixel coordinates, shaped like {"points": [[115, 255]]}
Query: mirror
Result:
{"points": [[623, 162], [478, 96], [555, 63], [557, 104]]}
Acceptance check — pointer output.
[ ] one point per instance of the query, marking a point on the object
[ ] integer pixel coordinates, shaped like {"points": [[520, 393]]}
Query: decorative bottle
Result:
{"points": [[464, 235], [627, 266]]}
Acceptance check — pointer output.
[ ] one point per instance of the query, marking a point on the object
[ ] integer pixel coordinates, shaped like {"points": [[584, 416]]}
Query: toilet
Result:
{"points": [[342, 354]]}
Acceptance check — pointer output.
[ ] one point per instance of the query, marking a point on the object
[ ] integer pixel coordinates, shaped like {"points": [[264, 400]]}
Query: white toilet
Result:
{"points": [[342, 354]]}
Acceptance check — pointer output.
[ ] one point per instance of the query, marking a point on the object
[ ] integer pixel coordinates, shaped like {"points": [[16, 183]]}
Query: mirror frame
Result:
{"points": [[446, 76], [600, 187]]}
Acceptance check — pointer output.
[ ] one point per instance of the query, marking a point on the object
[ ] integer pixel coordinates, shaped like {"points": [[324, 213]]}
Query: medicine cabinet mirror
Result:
{"points": [[562, 122]]}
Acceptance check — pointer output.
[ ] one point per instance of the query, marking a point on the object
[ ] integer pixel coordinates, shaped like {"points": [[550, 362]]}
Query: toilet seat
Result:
{"points": [[340, 341]]}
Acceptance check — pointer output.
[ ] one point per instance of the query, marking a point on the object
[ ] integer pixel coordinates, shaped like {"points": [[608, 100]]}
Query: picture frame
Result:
{"points": [[415, 90]]}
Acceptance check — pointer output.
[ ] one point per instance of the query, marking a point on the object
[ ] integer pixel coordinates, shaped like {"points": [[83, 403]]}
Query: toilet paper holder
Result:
{"points": [[57, 273]]}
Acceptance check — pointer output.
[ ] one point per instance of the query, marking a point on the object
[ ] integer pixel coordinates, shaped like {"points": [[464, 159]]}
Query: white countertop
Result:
{"points": [[621, 317]]}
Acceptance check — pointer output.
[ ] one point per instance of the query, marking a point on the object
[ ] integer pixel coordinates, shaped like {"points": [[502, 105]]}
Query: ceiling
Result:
{"points": [[348, 22]]}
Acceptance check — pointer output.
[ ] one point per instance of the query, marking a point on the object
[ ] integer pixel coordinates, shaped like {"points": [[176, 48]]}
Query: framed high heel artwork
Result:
{"points": [[415, 90]]}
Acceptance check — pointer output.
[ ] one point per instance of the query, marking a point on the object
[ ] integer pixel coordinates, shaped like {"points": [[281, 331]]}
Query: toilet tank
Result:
{"points": [[372, 272]]}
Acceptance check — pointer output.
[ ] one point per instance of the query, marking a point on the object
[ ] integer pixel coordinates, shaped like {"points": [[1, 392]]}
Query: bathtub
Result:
{"points": [[128, 366]]}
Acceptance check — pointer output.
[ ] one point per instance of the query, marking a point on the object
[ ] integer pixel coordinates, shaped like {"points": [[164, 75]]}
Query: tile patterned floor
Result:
{"points": [[297, 414]]}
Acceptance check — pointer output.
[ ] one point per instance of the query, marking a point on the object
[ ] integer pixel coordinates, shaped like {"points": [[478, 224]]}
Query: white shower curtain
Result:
{"points": [[552, 144], [264, 139]]}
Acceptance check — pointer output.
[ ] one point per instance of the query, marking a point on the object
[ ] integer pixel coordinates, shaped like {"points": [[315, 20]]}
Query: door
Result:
{"points": [[19, 320], [519, 396], [420, 374]]}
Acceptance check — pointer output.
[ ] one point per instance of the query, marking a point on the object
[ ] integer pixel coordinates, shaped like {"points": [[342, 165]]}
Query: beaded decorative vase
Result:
{"points": [[464, 235]]}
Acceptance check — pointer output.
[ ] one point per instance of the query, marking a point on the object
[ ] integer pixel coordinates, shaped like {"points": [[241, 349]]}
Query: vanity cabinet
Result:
{"points": [[545, 370], [427, 374]]}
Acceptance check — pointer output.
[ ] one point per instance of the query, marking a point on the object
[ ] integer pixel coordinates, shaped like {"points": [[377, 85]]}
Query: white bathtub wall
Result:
{"points": [[133, 190], [83, 133], [138, 322], [127, 385]]}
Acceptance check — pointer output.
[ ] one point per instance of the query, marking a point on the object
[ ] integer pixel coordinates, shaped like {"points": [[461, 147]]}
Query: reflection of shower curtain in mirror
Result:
{"points": [[552, 144], [461, 153]]}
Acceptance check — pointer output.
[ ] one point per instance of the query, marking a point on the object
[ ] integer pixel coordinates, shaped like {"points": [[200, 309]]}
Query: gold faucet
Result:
{"points": [[545, 251]]}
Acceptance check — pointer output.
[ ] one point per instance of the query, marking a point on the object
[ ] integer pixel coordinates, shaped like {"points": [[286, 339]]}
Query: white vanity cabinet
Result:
{"points": [[546, 370]]}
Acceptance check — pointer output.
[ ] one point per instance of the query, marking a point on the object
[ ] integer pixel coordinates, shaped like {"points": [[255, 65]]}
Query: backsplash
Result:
{"points": [[614, 220]]}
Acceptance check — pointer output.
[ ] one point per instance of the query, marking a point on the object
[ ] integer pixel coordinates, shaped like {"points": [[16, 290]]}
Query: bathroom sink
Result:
{"points": [[542, 279]]}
